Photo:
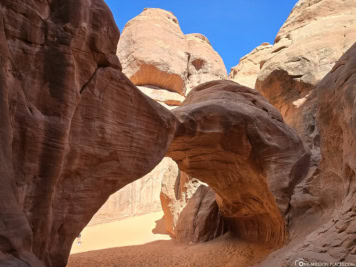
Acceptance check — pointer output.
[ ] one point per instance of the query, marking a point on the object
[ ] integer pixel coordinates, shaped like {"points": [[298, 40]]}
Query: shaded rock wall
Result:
{"points": [[68, 114], [306, 48]]}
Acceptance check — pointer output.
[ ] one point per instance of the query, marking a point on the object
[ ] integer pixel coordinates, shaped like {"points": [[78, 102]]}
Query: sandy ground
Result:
{"points": [[133, 244], [127, 232]]}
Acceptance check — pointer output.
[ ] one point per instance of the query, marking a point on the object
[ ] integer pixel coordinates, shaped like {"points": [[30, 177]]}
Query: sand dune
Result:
{"points": [[133, 244]]}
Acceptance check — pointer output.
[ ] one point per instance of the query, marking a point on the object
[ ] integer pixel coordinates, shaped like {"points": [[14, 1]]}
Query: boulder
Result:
{"points": [[68, 118], [246, 72], [231, 138]]}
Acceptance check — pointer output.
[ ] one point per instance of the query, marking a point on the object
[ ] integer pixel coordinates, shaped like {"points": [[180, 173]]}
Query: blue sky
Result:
{"points": [[233, 27]]}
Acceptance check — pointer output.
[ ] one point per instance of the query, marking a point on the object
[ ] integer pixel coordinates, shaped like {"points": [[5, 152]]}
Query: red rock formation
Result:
{"points": [[314, 37], [204, 63], [231, 138], [332, 230], [74, 129]]}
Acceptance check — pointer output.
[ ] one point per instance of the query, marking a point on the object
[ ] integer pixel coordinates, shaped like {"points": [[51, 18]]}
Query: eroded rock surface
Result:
{"points": [[154, 51], [74, 129], [246, 72], [231, 138]]}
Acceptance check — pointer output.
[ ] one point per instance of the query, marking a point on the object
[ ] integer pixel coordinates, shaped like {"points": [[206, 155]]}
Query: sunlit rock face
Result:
{"points": [[154, 51], [316, 34], [204, 63], [231, 138], [246, 72], [68, 118]]}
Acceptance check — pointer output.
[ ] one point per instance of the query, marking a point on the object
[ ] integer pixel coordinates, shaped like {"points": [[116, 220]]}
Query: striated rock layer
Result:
{"points": [[68, 118], [231, 138]]}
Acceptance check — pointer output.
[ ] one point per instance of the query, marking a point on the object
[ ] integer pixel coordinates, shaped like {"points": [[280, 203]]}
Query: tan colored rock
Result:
{"points": [[204, 63], [177, 189], [154, 51], [68, 115], [316, 34], [245, 153], [246, 72], [162, 96]]}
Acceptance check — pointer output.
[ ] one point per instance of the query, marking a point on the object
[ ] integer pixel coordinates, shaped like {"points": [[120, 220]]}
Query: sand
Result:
{"points": [[127, 232], [133, 243]]}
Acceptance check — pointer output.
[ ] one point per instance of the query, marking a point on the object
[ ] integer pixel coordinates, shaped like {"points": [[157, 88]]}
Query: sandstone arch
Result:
{"points": [[231, 138]]}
